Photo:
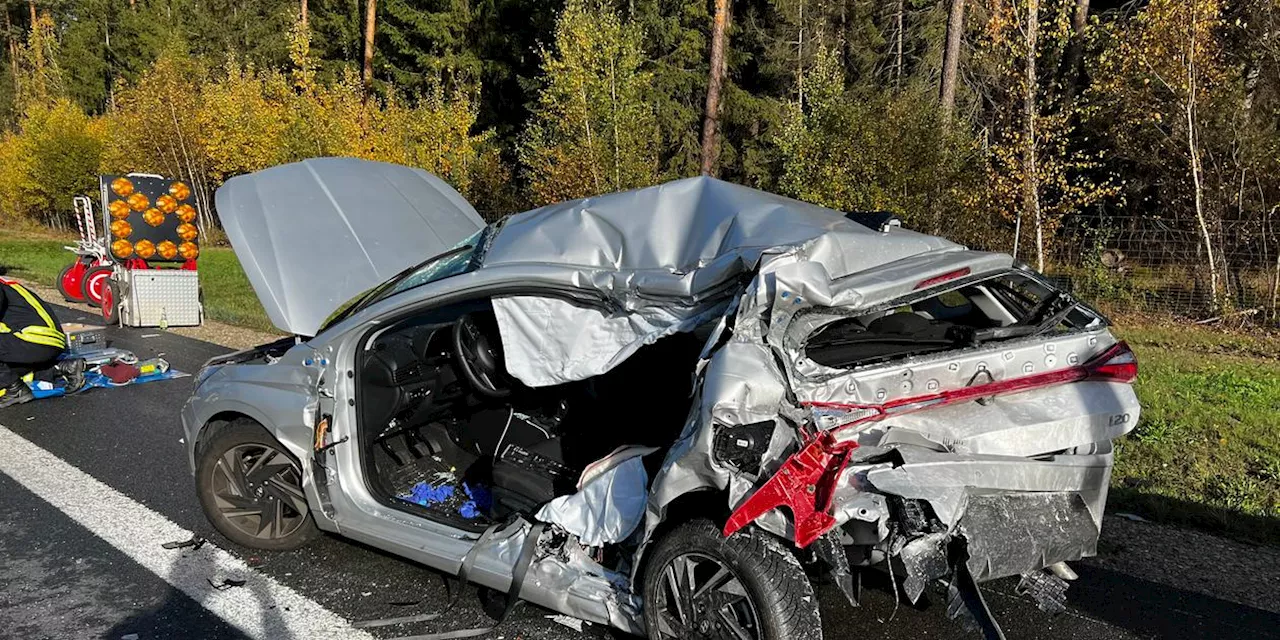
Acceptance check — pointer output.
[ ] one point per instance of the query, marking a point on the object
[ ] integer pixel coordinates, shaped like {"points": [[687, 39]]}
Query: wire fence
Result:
{"points": [[1157, 265]]}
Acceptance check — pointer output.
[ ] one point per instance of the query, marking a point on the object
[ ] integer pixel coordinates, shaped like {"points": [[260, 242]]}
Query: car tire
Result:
{"points": [[268, 480], [765, 592]]}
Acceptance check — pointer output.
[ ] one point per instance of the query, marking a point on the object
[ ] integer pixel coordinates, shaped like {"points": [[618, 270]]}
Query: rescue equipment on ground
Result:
{"points": [[106, 368]]}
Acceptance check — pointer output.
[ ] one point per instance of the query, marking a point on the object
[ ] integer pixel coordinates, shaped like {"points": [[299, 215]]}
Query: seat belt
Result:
{"points": [[518, 574]]}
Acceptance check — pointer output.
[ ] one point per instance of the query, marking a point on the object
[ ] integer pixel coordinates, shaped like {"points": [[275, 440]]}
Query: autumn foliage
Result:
{"points": [[185, 118], [1043, 128]]}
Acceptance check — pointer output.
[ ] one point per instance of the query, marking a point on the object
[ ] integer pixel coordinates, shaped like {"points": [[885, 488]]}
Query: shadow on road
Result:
{"points": [[1156, 610], [1211, 518], [1104, 605], [176, 616]]}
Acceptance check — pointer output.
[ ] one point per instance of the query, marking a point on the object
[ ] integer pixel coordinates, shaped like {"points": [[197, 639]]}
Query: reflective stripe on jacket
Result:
{"points": [[23, 315]]}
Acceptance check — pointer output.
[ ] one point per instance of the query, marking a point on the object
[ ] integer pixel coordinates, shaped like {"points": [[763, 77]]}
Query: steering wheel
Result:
{"points": [[480, 361]]}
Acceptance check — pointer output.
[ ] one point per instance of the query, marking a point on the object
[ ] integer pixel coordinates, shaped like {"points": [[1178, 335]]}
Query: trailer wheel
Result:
{"points": [[70, 282], [111, 302], [94, 283]]}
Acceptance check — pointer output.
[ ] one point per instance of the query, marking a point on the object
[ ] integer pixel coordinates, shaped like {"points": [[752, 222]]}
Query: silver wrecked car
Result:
{"points": [[660, 410]]}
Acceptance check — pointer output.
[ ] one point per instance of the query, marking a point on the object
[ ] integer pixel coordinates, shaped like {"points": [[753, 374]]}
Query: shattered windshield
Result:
{"points": [[463, 257]]}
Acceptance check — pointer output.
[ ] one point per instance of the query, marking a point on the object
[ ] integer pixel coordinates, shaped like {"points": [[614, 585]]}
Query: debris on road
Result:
{"points": [[387, 622], [1048, 591], [572, 623], [1132, 516], [228, 583], [194, 543]]}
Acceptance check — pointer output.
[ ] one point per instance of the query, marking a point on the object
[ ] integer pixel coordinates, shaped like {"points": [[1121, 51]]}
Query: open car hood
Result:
{"points": [[314, 234]]}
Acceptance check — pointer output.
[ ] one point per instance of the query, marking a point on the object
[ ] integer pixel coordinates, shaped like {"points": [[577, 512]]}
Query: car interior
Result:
{"points": [[1000, 308], [446, 433]]}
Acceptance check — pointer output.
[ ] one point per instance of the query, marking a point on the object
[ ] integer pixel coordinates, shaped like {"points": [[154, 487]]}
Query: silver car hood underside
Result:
{"points": [[314, 234]]}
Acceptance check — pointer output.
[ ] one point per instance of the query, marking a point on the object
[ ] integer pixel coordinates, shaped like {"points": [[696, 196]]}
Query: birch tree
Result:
{"points": [[1167, 63], [1035, 173], [592, 130]]}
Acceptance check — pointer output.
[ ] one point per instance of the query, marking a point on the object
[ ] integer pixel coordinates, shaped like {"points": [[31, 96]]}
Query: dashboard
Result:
{"points": [[406, 376]]}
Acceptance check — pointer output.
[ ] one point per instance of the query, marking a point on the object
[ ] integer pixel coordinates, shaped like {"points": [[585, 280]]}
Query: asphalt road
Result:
{"points": [[66, 574]]}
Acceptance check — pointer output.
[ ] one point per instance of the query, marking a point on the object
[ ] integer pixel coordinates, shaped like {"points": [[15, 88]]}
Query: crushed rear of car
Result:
{"points": [[948, 417], [871, 395]]}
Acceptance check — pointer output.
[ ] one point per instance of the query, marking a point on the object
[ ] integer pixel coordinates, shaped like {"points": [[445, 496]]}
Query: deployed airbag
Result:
{"points": [[610, 502]]}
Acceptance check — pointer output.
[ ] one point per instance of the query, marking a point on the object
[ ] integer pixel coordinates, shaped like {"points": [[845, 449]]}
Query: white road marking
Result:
{"points": [[262, 608]]}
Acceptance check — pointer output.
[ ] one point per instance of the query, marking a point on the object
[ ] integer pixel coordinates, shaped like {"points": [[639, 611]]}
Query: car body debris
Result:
{"points": [[195, 542]]}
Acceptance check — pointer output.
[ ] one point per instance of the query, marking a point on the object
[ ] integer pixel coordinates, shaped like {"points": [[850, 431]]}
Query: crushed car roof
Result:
{"points": [[672, 256], [312, 235], [689, 236]]}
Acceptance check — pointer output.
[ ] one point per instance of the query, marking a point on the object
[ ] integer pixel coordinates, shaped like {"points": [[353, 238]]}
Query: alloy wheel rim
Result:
{"points": [[258, 489], [701, 597]]}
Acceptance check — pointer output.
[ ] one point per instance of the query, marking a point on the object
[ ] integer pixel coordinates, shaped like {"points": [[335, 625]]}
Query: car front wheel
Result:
{"points": [[251, 489], [749, 586]]}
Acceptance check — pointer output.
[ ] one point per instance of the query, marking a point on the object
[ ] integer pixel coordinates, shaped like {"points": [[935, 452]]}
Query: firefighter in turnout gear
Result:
{"points": [[31, 342]]}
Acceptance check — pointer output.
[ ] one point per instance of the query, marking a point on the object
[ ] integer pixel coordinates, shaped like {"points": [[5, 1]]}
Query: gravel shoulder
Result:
{"points": [[211, 331]]}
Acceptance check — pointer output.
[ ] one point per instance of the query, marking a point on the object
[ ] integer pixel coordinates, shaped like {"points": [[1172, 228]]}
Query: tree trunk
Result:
{"points": [[591, 145], [800, 55], [715, 80], [31, 4], [897, 57], [1031, 179], [1275, 273], [951, 60], [109, 77], [303, 14], [13, 50], [1073, 61], [1193, 150], [370, 18], [613, 120]]}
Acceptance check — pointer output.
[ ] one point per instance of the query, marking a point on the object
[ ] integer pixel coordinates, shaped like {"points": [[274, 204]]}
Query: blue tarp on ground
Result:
{"points": [[92, 378]]}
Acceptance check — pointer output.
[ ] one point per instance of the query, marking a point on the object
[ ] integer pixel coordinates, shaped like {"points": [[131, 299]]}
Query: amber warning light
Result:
{"points": [[151, 217]]}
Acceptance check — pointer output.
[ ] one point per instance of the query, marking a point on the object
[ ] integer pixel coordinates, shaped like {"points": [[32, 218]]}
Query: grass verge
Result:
{"points": [[228, 296], [1206, 451]]}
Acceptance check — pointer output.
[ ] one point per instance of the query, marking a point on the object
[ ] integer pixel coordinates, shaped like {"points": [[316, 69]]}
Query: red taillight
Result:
{"points": [[1118, 364], [950, 275]]}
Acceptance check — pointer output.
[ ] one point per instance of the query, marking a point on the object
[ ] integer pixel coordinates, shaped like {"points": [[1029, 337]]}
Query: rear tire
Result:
{"points": [[762, 590], [250, 488]]}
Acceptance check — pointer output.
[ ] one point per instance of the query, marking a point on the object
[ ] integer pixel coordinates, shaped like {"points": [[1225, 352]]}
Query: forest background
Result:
{"points": [[1129, 147]]}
